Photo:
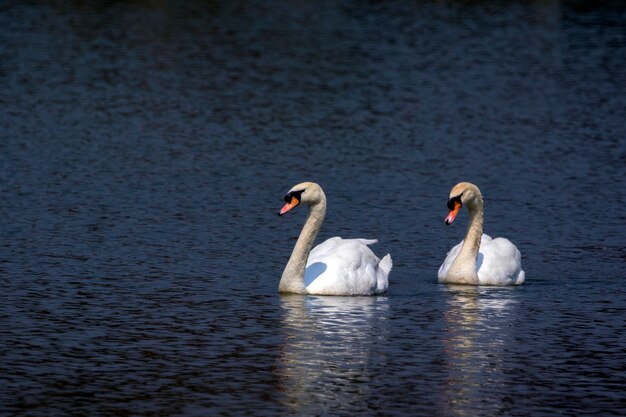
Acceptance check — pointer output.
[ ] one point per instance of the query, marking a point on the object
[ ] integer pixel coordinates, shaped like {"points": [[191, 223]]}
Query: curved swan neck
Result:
{"points": [[292, 280], [463, 269], [474, 229]]}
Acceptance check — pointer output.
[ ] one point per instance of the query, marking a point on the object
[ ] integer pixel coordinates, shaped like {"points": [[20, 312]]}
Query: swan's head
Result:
{"points": [[462, 193], [306, 192]]}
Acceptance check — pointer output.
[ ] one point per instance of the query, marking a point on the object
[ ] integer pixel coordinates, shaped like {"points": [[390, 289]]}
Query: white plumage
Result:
{"points": [[334, 267], [478, 259], [498, 262], [346, 266]]}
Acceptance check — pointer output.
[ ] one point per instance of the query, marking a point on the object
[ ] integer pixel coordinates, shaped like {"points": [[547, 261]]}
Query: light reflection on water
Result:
{"points": [[478, 326], [328, 343]]}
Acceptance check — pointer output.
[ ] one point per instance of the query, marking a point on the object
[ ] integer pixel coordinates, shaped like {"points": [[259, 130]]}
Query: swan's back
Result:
{"points": [[499, 262], [346, 267]]}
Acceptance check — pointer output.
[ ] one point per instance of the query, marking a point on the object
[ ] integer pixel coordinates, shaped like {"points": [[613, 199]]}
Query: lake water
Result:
{"points": [[145, 148]]}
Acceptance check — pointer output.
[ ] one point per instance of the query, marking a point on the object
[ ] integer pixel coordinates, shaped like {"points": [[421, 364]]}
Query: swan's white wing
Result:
{"points": [[501, 263], [450, 257], [324, 249], [346, 267], [498, 262]]}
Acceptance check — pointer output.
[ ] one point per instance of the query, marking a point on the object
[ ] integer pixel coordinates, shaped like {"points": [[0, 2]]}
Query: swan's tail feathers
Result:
{"points": [[386, 264], [368, 241], [384, 268]]}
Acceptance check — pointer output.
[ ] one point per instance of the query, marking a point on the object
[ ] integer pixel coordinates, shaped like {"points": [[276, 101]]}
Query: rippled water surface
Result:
{"points": [[144, 151]]}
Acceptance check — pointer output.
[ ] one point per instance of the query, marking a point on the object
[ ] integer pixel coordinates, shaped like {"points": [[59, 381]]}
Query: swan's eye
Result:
{"points": [[296, 194], [453, 200]]}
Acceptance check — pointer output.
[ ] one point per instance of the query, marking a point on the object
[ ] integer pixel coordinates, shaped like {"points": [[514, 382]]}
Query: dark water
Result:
{"points": [[145, 147]]}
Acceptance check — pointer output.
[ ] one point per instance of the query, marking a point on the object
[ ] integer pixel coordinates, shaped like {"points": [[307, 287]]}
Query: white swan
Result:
{"points": [[478, 259], [335, 267]]}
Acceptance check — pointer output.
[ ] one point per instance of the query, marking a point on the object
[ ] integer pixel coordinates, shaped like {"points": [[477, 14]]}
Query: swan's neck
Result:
{"points": [[463, 269], [292, 280]]}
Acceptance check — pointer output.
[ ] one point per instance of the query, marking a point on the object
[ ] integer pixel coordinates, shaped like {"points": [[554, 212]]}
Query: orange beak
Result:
{"points": [[453, 212], [294, 202]]}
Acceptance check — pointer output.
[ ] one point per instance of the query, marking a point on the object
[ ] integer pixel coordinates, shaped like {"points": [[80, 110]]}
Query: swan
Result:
{"points": [[478, 259], [335, 267]]}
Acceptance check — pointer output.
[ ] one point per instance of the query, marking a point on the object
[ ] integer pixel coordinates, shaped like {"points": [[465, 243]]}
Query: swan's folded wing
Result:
{"points": [[349, 267], [450, 257], [323, 250], [502, 263]]}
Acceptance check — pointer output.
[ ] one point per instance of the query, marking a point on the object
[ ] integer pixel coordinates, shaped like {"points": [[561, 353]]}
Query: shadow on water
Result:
{"points": [[478, 328], [327, 343]]}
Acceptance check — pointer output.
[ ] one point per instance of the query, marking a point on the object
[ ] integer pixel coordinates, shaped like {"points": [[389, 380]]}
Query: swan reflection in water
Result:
{"points": [[327, 344], [479, 327]]}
